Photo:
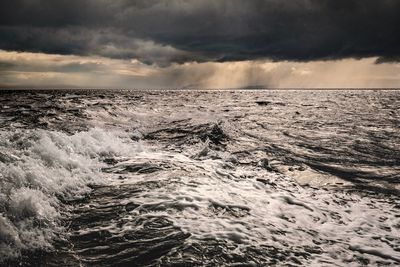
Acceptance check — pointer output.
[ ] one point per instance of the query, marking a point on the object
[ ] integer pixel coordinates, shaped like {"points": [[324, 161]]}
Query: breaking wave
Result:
{"points": [[40, 171]]}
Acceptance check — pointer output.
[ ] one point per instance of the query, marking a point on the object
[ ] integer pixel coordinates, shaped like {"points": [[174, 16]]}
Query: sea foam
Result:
{"points": [[39, 171]]}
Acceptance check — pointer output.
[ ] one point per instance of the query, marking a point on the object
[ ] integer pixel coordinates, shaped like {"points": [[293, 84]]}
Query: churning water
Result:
{"points": [[199, 178]]}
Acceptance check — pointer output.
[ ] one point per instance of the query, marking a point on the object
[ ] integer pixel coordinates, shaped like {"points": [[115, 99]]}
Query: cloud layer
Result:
{"points": [[200, 43], [47, 70], [179, 31]]}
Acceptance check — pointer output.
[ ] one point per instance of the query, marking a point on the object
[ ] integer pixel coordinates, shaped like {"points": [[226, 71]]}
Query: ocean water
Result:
{"points": [[200, 178]]}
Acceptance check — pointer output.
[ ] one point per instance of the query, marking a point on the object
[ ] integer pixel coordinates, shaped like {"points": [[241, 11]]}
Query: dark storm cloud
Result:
{"points": [[204, 30]]}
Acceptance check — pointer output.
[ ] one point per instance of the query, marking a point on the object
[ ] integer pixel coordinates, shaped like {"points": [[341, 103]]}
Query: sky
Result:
{"points": [[200, 43]]}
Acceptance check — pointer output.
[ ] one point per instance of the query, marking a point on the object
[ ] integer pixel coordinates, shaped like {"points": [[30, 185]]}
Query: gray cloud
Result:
{"points": [[181, 31]]}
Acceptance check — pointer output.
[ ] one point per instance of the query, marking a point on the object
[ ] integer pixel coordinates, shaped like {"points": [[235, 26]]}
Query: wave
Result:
{"points": [[40, 171]]}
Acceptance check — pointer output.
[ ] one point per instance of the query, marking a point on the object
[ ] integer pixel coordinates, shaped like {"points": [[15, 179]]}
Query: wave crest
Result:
{"points": [[40, 170]]}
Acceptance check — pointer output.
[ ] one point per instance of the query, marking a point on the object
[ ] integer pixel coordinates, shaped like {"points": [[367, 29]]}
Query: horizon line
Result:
{"points": [[49, 88]]}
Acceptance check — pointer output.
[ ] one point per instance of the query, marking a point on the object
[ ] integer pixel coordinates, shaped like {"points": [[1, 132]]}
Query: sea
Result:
{"points": [[199, 177]]}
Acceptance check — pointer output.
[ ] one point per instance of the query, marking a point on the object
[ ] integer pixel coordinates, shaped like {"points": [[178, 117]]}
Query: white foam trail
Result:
{"points": [[39, 168], [213, 199]]}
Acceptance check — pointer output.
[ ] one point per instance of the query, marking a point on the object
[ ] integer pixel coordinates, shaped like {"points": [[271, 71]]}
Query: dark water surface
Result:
{"points": [[199, 178]]}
